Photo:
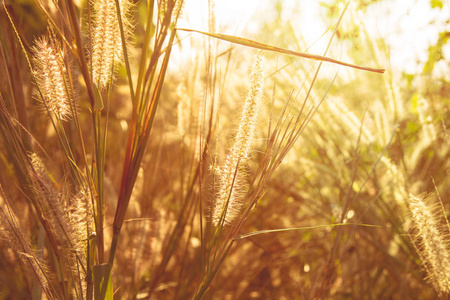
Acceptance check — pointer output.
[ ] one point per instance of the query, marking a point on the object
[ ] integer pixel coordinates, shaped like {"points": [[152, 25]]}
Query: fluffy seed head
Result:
{"points": [[50, 74], [228, 202], [107, 49], [175, 5], [51, 202], [432, 244]]}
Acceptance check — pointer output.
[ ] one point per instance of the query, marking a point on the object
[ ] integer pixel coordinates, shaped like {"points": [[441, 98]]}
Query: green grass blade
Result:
{"points": [[101, 276]]}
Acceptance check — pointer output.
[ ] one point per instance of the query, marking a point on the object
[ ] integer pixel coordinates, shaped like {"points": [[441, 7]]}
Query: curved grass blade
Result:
{"points": [[299, 228], [262, 46]]}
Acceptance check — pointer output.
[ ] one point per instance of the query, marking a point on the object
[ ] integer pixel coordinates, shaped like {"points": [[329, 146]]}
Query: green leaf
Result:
{"points": [[98, 101], [436, 3], [409, 78], [435, 52], [414, 101], [100, 273]]}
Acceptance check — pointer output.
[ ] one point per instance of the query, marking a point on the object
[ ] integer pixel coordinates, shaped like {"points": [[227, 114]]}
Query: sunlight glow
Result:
{"points": [[386, 19], [233, 15], [306, 268]]}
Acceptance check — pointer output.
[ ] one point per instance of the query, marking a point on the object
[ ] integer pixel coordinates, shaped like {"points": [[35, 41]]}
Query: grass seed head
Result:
{"points": [[228, 203], [107, 49], [51, 79], [432, 243]]}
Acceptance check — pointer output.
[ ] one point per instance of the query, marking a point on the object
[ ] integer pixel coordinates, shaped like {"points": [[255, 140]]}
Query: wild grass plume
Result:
{"points": [[107, 48], [432, 241], [51, 78], [229, 199]]}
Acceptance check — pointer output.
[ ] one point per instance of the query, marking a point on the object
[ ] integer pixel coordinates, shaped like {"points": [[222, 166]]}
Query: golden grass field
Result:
{"points": [[144, 160]]}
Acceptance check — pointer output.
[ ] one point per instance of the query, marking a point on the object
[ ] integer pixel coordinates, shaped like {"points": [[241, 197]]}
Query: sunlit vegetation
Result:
{"points": [[141, 160]]}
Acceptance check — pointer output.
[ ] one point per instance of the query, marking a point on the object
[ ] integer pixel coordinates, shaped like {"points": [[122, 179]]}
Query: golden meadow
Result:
{"points": [[141, 160]]}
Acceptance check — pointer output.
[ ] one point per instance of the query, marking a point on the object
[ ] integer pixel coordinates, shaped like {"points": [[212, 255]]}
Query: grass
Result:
{"points": [[127, 177]]}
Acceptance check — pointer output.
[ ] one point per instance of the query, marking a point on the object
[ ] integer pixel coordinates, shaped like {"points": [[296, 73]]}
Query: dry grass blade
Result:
{"points": [[296, 229], [258, 45]]}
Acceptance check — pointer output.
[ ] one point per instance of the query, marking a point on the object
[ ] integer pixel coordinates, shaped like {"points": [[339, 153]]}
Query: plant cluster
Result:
{"points": [[124, 176]]}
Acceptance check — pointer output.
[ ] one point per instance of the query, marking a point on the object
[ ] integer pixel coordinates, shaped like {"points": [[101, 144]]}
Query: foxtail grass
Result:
{"points": [[50, 74], [432, 241], [106, 39], [228, 203]]}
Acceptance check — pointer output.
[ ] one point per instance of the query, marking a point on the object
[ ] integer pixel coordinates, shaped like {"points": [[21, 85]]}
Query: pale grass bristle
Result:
{"points": [[51, 79], [51, 203], [19, 243], [36, 163], [432, 242], [228, 202], [64, 222], [107, 49], [80, 213], [163, 7], [177, 8]]}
